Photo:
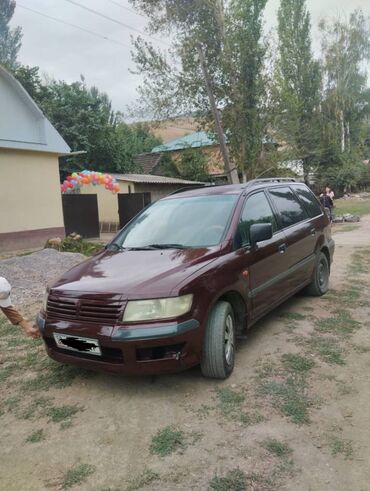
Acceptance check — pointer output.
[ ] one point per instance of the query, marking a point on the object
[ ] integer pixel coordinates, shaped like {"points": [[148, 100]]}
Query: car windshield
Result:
{"points": [[180, 222]]}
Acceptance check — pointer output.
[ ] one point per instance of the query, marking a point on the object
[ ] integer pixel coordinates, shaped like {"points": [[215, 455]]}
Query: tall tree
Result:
{"points": [[213, 69], [297, 84], [245, 113], [346, 52], [10, 39], [193, 73]]}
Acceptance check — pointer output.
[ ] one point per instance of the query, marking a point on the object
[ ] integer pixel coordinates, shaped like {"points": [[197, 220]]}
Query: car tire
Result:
{"points": [[320, 281], [219, 342]]}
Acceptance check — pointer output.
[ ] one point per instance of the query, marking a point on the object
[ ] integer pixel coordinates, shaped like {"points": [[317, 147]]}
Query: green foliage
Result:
{"points": [[144, 479], [235, 480], [75, 243], [297, 83], [193, 165], [297, 363], [77, 475], [10, 39], [167, 441], [230, 39], [36, 436], [277, 448]]}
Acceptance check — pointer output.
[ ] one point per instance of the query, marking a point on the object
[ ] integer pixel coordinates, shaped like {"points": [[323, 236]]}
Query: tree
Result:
{"points": [[346, 104], [84, 117], [297, 84], [10, 39], [193, 165], [213, 69]]}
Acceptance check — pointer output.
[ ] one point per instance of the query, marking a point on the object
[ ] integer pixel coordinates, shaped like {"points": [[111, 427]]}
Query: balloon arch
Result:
{"points": [[78, 179]]}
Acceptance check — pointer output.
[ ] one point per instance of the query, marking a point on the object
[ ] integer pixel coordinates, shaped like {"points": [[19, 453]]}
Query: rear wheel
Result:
{"points": [[320, 281], [219, 342]]}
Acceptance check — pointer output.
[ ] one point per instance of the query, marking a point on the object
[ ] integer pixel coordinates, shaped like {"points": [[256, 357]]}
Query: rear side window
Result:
{"points": [[309, 200], [256, 210], [290, 209]]}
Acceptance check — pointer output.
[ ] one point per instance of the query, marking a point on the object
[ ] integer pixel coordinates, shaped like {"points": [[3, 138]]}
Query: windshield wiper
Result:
{"points": [[154, 247], [168, 246]]}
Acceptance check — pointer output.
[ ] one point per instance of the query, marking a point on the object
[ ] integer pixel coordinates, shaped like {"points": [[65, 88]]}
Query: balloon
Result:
{"points": [[85, 177]]}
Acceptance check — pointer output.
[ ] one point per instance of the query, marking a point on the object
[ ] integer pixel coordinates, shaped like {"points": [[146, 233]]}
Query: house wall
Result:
{"points": [[30, 199], [157, 191], [107, 201]]}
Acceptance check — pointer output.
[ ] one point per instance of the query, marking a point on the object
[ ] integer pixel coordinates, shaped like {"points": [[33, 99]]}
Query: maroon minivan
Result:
{"points": [[185, 277]]}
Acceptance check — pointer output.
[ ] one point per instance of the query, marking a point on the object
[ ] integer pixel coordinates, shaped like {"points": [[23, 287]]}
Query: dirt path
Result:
{"points": [[294, 414]]}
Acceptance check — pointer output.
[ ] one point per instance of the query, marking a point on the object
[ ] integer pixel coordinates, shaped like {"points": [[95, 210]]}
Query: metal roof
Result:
{"points": [[23, 126], [150, 179], [147, 161], [193, 140]]}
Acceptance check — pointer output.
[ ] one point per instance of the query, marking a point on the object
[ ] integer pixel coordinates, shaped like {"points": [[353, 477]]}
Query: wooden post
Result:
{"points": [[230, 169]]}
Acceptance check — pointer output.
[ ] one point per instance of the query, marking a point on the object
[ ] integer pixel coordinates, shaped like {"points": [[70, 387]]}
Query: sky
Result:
{"points": [[64, 52]]}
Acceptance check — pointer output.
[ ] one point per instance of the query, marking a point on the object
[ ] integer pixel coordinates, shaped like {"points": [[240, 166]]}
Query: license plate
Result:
{"points": [[75, 343]]}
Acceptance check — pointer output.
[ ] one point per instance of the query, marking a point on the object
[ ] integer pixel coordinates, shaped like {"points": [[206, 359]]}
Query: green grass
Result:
{"points": [[328, 349], [36, 436], [37, 408], [297, 363], [339, 446], [7, 371], [341, 323], [229, 400], [77, 475], [289, 396], [345, 298], [252, 418], [352, 206], [55, 376], [144, 479], [277, 448], [62, 413], [167, 441], [234, 480], [292, 316]]}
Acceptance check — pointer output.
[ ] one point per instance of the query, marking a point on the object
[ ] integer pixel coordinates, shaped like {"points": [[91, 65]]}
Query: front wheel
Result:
{"points": [[219, 342], [320, 281]]}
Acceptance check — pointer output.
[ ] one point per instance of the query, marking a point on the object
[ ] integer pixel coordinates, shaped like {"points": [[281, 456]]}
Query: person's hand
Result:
{"points": [[29, 329]]}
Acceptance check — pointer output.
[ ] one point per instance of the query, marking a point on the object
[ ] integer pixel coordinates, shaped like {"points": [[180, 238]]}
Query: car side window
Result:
{"points": [[257, 209], [290, 209], [309, 200]]}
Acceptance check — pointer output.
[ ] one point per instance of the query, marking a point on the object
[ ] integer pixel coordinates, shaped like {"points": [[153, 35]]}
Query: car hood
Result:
{"points": [[134, 274]]}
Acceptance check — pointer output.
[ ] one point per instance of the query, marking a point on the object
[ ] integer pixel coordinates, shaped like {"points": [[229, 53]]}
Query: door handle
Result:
{"points": [[282, 248], [313, 231]]}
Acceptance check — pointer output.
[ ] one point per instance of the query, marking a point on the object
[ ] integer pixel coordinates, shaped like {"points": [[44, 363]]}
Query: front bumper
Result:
{"points": [[141, 350]]}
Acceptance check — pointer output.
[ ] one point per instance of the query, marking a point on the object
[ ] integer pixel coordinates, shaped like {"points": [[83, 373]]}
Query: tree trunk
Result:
{"points": [[230, 169], [342, 130]]}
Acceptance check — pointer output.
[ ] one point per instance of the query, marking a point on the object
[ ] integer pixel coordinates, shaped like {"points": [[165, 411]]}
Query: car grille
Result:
{"points": [[105, 312]]}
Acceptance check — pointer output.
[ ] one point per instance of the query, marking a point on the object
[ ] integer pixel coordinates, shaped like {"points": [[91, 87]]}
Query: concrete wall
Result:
{"points": [[30, 198], [107, 201]]}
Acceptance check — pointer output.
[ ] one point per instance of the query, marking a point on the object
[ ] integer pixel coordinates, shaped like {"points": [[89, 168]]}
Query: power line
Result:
{"points": [[101, 36], [127, 26], [126, 8]]}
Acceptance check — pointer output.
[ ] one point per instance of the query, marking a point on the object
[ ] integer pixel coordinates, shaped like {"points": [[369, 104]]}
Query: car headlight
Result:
{"points": [[157, 309], [45, 299]]}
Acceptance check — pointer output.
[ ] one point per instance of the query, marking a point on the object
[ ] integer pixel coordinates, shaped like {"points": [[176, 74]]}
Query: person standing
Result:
{"points": [[327, 202], [12, 313]]}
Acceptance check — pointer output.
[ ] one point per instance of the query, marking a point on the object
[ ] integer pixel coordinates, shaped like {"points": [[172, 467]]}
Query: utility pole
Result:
{"points": [[231, 171]]}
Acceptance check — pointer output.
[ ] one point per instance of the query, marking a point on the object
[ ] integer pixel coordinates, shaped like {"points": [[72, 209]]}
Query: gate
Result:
{"points": [[80, 212], [129, 205]]}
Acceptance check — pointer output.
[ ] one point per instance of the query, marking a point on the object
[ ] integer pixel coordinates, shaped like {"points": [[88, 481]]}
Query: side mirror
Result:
{"points": [[259, 232]]}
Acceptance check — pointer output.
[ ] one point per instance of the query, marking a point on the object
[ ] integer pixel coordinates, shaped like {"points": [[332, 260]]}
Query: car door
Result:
{"points": [[264, 264], [300, 233]]}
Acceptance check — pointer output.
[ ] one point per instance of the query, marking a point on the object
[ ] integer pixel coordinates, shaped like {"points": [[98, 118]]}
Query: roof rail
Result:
{"points": [[272, 179], [191, 188]]}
